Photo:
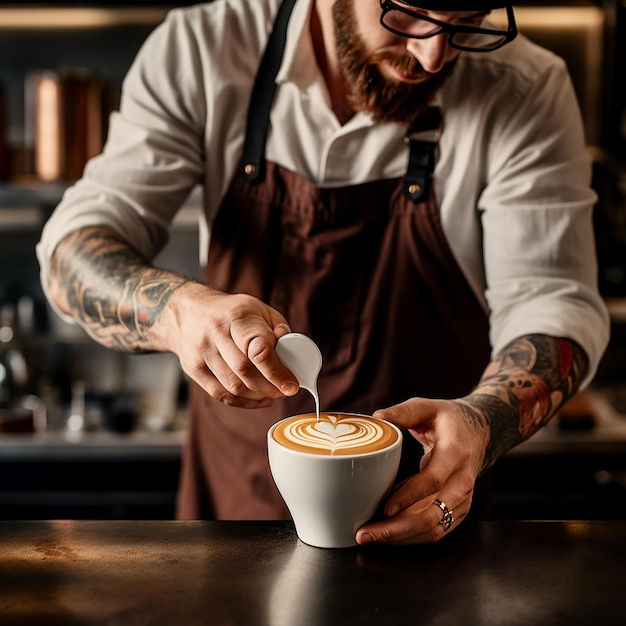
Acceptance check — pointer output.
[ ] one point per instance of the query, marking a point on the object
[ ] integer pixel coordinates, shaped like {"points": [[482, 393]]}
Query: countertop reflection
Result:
{"points": [[259, 573]]}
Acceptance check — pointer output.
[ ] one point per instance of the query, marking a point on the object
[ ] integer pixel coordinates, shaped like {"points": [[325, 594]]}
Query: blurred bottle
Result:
{"points": [[13, 367], [15, 415]]}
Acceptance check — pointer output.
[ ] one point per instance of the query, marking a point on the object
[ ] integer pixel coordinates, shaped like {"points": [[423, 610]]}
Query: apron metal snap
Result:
{"points": [[249, 169], [413, 189]]}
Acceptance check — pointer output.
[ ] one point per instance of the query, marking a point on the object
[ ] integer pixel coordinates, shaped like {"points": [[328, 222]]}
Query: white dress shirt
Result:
{"points": [[512, 177]]}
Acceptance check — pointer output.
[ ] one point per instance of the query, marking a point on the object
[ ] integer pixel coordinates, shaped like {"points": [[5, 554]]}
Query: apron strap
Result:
{"points": [[253, 162], [422, 138]]}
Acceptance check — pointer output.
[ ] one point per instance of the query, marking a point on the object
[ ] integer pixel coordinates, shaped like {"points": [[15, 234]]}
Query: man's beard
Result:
{"points": [[369, 92]]}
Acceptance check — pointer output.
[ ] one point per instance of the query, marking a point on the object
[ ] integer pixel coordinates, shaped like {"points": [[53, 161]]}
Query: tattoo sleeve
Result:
{"points": [[522, 388], [110, 289]]}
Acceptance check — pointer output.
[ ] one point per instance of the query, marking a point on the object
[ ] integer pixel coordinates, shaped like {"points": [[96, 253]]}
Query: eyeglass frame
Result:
{"points": [[387, 6]]}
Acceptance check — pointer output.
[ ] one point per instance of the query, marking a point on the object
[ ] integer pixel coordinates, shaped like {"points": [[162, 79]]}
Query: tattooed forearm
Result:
{"points": [[522, 388], [110, 289]]}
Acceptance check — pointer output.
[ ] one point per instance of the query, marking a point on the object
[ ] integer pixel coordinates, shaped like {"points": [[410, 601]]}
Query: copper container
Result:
{"points": [[71, 109], [4, 146]]}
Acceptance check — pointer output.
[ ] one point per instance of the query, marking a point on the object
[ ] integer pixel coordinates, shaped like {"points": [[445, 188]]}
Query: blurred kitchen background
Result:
{"points": [[90, 433]]}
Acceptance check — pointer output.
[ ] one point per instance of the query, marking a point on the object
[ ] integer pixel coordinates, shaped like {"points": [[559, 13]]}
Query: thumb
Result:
{"points": [[409, 414]]}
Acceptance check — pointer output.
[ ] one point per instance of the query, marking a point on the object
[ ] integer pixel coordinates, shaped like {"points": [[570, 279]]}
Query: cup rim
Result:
{"points": [[335, 457]]}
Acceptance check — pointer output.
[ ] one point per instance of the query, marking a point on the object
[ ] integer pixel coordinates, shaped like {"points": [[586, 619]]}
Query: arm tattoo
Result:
{"points": [[111, 290], [522, 388]]}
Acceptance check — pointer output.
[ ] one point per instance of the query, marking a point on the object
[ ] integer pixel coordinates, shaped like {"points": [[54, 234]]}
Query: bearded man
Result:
{"points": [[402, 181]]}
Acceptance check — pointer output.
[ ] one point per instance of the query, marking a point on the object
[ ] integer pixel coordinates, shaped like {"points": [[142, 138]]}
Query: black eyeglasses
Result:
{"points": [[407, 23]]}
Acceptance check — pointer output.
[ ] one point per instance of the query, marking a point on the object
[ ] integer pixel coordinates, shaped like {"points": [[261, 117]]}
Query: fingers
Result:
{"points": [[249, 353], [280, 330], [210, 383], [425, 521], [238, 372], [414, 516], [444, 470], [262, 370]]}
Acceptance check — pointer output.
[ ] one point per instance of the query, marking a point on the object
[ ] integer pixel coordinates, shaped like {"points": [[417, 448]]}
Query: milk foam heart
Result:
{"points": [[335, 434], [334, 430]]}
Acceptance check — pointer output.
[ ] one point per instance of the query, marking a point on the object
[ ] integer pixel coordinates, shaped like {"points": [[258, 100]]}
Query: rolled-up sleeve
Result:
{"points": [[153, 156], [536, 211]]}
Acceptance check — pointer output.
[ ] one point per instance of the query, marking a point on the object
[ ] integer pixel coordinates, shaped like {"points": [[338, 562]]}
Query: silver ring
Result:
{"points": [[448, 517]]}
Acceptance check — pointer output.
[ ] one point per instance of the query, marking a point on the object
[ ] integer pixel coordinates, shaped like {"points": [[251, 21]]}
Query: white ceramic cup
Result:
{"points": [[330, 478]]}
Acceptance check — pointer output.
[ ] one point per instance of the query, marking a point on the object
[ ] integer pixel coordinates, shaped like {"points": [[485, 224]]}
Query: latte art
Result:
{"points": [[334, 434]]}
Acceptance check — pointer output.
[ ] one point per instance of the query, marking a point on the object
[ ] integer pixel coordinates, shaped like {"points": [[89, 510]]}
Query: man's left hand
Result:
{"points": [[422, 507]]}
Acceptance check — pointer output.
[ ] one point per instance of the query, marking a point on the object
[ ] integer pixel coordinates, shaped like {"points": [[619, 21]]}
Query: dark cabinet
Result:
{"points": [[89, 481], [564, 486]]}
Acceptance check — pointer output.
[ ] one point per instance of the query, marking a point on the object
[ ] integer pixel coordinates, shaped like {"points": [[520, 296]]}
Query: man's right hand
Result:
{"points": [[225, 343]]}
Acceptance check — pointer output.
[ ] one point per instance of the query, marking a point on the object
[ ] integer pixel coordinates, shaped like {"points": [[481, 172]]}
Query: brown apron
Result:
{"points": [[367, 273]]}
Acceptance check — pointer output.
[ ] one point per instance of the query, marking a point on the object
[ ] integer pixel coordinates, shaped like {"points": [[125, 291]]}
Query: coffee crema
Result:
{"points": [[335, 434]]}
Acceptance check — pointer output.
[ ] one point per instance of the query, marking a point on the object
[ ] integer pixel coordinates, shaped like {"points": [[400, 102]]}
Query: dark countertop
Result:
{"points": [[258, 573]]}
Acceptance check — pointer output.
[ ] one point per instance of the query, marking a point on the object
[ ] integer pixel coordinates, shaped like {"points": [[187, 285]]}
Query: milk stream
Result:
{"points": [[312, 389], [308, 380]]}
